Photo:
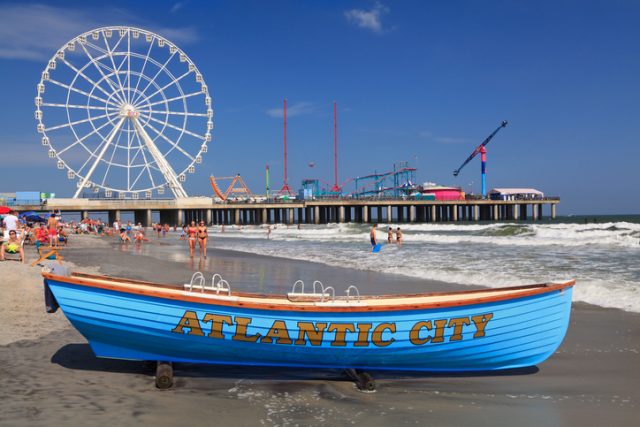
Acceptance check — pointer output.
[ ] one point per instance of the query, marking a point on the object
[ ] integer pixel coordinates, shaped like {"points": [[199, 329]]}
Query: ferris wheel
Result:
{"points": [[124, 111]]}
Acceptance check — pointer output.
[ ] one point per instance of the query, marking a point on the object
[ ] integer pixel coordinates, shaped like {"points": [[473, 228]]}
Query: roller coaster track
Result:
{"points": [[242, 189]]}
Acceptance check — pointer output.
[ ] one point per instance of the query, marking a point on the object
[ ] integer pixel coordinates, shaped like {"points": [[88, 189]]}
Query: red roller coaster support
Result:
{"points": [[285, 188], [336, 187]]}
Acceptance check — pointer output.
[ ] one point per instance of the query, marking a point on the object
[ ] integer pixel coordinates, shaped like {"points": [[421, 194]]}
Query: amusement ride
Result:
{"points": [[125, 111]]}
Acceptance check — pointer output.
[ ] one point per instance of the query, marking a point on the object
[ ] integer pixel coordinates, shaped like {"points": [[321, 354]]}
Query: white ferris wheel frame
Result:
{"points": [[125, 105]]}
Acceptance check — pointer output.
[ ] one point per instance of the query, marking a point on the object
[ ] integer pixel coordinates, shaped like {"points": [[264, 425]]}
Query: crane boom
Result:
{"points": [[480, 147]]}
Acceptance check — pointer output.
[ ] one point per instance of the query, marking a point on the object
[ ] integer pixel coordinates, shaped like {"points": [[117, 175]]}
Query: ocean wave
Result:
{"points": [[602, 257]]}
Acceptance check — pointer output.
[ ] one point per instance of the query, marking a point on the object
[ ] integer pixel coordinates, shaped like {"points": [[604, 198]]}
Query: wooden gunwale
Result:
{"points": [[281, 303]]}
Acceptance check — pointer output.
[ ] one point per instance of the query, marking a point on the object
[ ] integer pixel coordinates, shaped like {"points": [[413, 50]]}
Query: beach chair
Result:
{"points": [[47, 253]]}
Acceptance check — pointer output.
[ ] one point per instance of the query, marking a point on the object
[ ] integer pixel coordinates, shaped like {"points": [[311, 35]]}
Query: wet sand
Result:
{"points": [[49, 376]]}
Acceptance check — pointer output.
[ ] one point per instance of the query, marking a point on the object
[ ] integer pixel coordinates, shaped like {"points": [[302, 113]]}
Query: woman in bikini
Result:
{"points": [[192, 231], [202, 239]]}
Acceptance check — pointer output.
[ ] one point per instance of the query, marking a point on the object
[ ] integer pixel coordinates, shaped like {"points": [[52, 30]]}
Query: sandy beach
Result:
{"points": [[49, 376]]}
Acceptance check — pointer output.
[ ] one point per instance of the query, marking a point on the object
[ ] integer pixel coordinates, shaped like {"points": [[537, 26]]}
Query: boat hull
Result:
{"points": [[512, 333]]}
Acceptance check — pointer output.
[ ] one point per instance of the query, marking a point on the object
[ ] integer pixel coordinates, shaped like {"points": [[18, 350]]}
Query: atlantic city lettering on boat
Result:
{"points": [[335, 334]]}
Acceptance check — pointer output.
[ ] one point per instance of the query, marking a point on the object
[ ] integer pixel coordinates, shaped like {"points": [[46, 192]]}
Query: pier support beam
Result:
{"points": [[365, 214], [433, 213], [496, 213], [85, 214], [455, 213], [389, 216], [412, 214], [112, 215], [208, 219], [316, 215], [341, 214], [534, 212], [476, 212], [553, 211]]}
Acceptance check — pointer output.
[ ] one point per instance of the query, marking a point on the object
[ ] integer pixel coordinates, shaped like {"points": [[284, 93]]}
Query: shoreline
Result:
{"points": [[50, 376]]}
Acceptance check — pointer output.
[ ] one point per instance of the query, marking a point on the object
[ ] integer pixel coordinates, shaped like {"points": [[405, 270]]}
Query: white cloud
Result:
{"points": [[298, 109], [368, 19], [177, 6], [35, 31], [425, 134]]}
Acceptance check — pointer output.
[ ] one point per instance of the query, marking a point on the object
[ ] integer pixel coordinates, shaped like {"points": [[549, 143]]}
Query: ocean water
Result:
{"points": [[601, 253]]}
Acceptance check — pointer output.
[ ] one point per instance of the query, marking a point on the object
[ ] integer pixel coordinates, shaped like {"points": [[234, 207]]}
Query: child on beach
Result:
{"points": [[124, 238], [139, 236]]}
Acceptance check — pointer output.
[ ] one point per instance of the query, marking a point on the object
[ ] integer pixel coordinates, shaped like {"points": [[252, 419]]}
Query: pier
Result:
{"points": [[323, 211]]}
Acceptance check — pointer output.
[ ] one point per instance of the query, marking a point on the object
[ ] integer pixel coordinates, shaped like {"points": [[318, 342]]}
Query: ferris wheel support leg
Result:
{"points": [[95, 164], [163, 165]]}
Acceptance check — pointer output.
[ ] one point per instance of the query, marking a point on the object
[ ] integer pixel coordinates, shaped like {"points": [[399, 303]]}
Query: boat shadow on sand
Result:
{"points": [[81, 357]]}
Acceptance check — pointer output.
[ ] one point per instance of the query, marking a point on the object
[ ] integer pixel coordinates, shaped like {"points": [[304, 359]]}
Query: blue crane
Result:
{"points": [[480, 149]]}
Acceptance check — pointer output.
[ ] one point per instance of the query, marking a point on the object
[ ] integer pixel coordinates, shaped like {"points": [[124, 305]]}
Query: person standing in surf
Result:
{"points": [[372, 235], [203, 235], [192, 231]]}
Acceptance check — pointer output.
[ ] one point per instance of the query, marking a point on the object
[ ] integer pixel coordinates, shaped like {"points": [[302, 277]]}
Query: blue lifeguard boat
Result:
{"points": [[205, 322]]}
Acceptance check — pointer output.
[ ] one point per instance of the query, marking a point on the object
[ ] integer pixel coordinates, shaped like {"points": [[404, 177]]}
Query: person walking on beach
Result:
{"points": [[203, 235], [372, 235], [192, 231], [390, 235], [11, 221], [399, 236]]}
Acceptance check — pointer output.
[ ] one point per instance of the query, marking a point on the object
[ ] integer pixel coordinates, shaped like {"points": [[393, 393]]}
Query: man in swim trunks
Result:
{"points": [[399, 236], [12, 246], [372, 235], [52, 225], [192, 231], [203, 234]]}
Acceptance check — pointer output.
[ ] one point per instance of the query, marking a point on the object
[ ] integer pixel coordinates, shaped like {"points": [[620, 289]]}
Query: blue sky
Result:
{"points": [[417, 81]]}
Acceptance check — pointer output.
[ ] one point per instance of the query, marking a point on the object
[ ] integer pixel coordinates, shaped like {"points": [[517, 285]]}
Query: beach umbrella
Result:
{"points": [[26, 214], [4, 210], [34, 218]]}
